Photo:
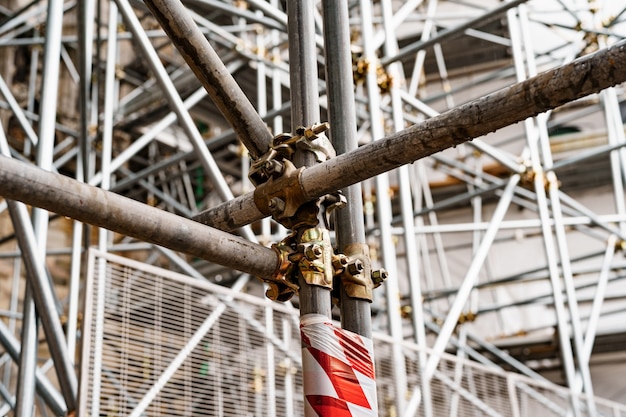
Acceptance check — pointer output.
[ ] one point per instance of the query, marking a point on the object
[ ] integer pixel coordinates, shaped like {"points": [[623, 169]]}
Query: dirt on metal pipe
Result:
{"points": [[548, 90], [63, 195], [213, 74]]}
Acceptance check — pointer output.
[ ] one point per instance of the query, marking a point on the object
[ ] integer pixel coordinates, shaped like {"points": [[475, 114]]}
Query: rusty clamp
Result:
{"points": [[281, 286], [354, 268], [279, 191]]}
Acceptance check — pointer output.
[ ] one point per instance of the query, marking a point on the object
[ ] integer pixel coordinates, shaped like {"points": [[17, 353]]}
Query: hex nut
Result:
{"points": [[355, 267], [313, 252], [379, 276]]}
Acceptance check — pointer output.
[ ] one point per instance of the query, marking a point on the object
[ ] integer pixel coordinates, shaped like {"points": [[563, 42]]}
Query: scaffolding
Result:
{"points": [[467, 155], [217, 352]]}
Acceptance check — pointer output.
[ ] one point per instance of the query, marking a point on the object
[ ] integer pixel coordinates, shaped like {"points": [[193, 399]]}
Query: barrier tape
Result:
{"points": [[338, 370]]}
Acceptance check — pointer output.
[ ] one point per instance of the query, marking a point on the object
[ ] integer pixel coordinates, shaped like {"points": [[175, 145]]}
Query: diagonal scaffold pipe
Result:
{"points": [[548, 90], [451, 32], [212, 74]]}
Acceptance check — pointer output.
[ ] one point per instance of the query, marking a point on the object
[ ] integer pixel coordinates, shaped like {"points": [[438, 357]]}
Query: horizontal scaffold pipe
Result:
{"points": [[548, 90], [213, 74], [63, 195]]}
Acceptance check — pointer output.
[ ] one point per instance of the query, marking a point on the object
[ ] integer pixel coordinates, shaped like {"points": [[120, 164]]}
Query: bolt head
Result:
{"points": [[276, 204], [355, 267], [379, 276], [314, 252], [340, 261]]}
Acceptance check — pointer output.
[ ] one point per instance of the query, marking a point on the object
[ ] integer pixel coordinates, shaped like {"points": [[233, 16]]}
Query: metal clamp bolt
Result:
{"points": [[276, 205], [339, 263], [379, 276], [312, 132], [313, 252], [355, 267]]}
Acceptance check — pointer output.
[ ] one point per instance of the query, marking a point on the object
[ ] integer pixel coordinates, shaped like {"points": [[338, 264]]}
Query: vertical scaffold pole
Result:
{"points": [[326, 364], [305, 112], [338, 366], [315, 301], [384, 211], [349, 224]]}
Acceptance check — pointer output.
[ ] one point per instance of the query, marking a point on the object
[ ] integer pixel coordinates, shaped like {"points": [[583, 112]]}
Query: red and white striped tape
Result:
{"points": [[338, 370]]}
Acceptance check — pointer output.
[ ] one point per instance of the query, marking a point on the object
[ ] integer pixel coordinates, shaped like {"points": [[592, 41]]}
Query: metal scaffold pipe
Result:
{"points": [[213, 74], [51, 396], [548, 90], [349, 226], [43, 297], [25, 393], [305, 112], [70, 198], [451, 32]]}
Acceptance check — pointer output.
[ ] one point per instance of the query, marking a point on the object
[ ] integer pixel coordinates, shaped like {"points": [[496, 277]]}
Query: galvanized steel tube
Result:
{"points": [[45, 389], [349, 226], [304, 112], [68, 197], [207, 66], [548, 90]]}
